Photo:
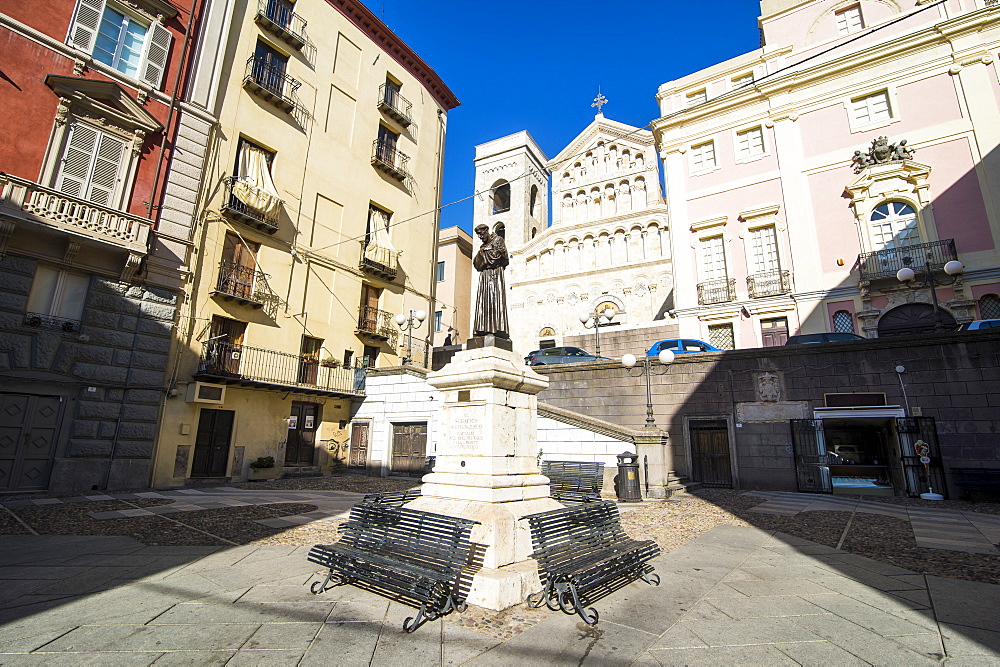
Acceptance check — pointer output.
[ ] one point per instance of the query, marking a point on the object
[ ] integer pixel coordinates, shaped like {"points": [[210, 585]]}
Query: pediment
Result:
{"points": [[608, 131], [884, 180], [103, 100]]}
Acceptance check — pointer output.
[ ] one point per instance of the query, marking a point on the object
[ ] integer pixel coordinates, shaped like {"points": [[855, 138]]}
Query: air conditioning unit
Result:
{"points": [[204, 392]]}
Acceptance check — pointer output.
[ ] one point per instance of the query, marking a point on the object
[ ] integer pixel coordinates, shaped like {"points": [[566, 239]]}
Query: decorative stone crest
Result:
{"points": [[768, 387], [881, 152]]}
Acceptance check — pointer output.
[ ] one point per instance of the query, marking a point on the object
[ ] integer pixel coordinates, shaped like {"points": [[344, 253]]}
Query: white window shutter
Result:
{"points": [[157, 49], [86, 21], [106, 165], [76, 160]]}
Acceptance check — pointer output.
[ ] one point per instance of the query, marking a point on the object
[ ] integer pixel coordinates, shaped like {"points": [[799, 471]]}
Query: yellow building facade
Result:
{"points": [[318, 226]]}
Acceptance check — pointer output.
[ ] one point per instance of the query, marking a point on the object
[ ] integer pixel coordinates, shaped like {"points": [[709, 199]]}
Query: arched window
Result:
{"points": [[894, 225], [532, 200], [843, 322], [501, 197], [989, 307]]}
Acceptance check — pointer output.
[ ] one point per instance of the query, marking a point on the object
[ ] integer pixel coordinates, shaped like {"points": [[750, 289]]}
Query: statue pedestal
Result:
{"points": [[486, 467]]}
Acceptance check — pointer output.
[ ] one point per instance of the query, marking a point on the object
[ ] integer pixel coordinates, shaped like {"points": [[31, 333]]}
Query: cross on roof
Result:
{"points": [[599, 101]]}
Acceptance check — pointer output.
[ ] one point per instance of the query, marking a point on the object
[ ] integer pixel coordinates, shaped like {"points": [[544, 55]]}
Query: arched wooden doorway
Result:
{"points": [[912, 318]]}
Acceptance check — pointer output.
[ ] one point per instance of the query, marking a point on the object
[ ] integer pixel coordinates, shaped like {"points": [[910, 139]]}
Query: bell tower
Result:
{"points": [[513, 180]]}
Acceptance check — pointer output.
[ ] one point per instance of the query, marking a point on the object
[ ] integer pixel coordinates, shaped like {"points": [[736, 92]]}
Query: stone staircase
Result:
{"points": [[679, 487], [301, 471]]}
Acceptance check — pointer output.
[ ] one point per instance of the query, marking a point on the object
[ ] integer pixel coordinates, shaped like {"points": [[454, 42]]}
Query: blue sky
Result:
{"points": [[536, 66]]}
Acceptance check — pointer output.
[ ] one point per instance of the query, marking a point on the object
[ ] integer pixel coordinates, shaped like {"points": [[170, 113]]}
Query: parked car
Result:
{"points": [[828, 337], [978, 325], [680, 346], [560, 355]]}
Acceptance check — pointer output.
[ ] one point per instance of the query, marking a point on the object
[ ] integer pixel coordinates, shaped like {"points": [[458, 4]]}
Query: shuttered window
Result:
{"points": [[118, 38], [872, 108], [750, 143], [91, 164]]}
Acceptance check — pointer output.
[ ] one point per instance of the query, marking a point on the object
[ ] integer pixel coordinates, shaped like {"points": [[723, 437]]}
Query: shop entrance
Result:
{"points": [[863, 457]]}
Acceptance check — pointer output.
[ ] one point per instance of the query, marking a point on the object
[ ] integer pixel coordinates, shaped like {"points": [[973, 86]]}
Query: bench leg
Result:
{"points": [[548, 596], [319, 587], [650, 578], [569, 603]]}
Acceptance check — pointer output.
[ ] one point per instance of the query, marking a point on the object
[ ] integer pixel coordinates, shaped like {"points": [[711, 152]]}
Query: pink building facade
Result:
{"points": [[861, 139]]}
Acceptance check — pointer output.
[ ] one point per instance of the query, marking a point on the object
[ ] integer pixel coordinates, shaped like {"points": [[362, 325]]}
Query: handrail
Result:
{"points": [[771, 283], [230, 361], [716, 291], [886, 262]]}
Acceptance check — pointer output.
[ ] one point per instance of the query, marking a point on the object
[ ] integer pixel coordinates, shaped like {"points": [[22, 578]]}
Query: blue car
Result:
{"points": [[680, 346]]}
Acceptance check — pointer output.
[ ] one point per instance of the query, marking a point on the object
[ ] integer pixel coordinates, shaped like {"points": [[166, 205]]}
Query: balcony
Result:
{"points": [[264, 218], [386, 158], [229, 363], [378, 324], [885, 263], [394, 105], [22, 200], [42, 321], [269, 82], [378, 260], [277, 17], [716, 291], [246, 286], [772, 283]]}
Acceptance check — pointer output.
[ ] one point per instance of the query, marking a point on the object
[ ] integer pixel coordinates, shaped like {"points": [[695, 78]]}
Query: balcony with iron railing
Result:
{"points": [[230, 363], [268, 80], [883, 264], [394, 105], [236, 208], [245, 285], [386, 158], [278, 18], [378, 260], [25, 200], [772, 283], [716, 291], [378, 324]]}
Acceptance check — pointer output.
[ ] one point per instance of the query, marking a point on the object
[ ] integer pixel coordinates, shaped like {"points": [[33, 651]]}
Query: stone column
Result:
{"points": [[486, 467]]}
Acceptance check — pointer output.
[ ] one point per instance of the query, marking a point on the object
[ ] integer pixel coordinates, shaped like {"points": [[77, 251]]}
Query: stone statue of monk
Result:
{"points": [[491, 298]]}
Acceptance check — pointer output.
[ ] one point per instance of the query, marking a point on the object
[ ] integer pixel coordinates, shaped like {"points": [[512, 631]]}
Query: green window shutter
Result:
{"points": [[86, 21], [157, 49]]}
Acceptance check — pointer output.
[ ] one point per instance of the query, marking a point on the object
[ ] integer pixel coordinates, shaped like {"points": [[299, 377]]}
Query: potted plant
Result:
{"points": [[329, 362], [263, 468]]}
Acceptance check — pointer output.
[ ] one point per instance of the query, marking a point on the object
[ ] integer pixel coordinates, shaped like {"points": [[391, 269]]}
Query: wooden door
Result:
{"points": [[301, 445], [226, 347], [309, 353], [211, 445], [710, 463], [29, 431], [774, 333], [239, 266], [369, 308], [359, 445], [409, 449]]}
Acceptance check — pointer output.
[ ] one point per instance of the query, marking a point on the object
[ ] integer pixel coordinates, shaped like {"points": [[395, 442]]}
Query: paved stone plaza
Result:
{"points": [[733, 595]]}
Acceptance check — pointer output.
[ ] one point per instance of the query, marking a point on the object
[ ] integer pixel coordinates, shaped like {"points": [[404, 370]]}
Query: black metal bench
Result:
{"points": [[574, 482], [977, 479], [583, 554], [410, 556], [392, 498]]}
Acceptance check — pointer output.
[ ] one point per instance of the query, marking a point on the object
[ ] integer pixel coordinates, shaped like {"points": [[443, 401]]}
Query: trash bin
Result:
{"points": [[627, 487]]}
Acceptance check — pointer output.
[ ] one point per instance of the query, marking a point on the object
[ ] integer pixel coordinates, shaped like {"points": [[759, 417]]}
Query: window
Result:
{"points": [[742, 80], [532, 200], [440, 271], [843, 322], [849, 20], [750, 143], [721, 336], [91, 164], [252, 184], [764, 250], [269, 66], [712, 259], [894, 225], [57, 293], [501, 197], [989, 307], [871, 108], [120, 37], [438, 320], [696, 98], [703, 156], [238, 268], [386, 148]]}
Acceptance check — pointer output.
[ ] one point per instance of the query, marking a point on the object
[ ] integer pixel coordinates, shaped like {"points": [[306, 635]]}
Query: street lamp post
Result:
{"points": [[594, 320], [907, 276], [408, 324], [646, 369]]}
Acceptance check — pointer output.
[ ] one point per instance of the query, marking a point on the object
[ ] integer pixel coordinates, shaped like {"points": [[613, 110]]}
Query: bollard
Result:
{"points": [[628, 478]]}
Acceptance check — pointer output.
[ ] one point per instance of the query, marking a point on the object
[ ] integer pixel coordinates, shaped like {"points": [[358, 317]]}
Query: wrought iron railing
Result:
{"points": [[379, 260], [378, 323], [388, 159], [42, 321], [394, 104], [221, 360], [716, 291], [238, 280], [771, 283], [885, 263], [48, 206], [268, 80], [278, 17], [266, 221]]}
